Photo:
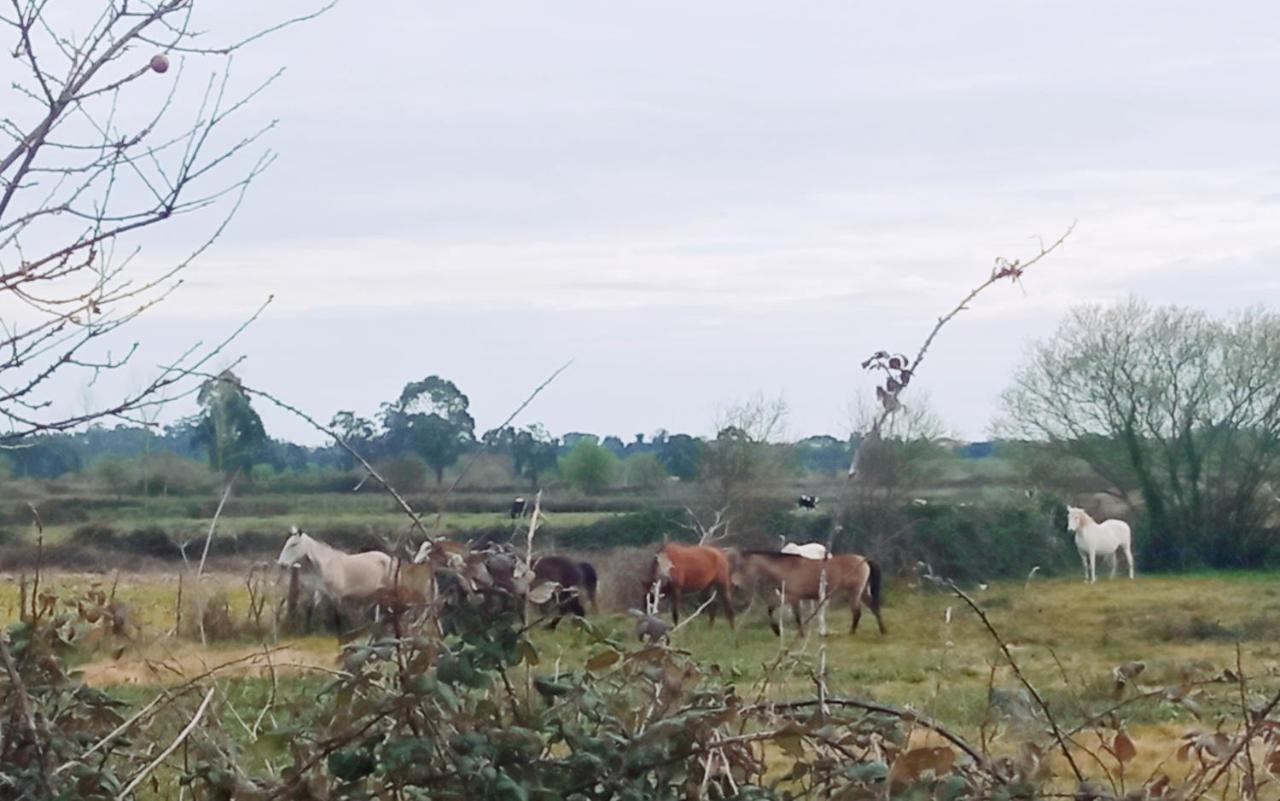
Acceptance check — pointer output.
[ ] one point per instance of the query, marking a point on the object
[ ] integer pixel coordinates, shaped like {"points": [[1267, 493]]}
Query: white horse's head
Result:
{"points": [[295, 549], [1077, 518], [423, 554]]}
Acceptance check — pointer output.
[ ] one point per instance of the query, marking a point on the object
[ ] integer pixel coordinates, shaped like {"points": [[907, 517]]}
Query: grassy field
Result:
{"points": [[937, 657], [187, 519]]}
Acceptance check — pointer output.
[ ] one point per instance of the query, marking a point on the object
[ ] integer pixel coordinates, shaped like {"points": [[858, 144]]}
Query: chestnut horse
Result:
{"points": [[693, 568], [800, 579]]}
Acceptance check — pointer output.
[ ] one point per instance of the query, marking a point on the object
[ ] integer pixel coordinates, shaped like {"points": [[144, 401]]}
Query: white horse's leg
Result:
{"points": [[1084, 561], [1115, 562], [1093, 566], [1128, 557]]}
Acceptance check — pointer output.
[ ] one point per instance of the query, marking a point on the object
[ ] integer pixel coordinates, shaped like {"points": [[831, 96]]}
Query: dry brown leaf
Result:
{"points": [[603, 660], [1122, 746], [1273, 763], [911, 765]]}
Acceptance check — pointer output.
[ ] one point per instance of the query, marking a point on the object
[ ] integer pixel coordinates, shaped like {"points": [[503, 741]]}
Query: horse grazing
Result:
{"points": [[801, 580], [576, 580], [809, 550], [1094, 539], [333, 574], [678, 569]]}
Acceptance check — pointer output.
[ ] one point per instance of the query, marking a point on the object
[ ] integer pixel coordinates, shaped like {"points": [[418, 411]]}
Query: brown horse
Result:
{"points": [[800, 579], [693, 568], [577, 580]]}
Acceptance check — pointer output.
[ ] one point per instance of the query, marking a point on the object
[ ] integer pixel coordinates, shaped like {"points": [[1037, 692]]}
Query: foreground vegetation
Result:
{"points": [[938, 659]]}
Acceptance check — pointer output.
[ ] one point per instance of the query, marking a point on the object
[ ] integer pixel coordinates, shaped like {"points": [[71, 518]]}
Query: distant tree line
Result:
{"points": [[429, 422]]}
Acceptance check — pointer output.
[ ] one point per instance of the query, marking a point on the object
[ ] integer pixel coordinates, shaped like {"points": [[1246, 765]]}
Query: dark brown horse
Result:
{"points": [[576, 580], [799, 579], [678, 569]]}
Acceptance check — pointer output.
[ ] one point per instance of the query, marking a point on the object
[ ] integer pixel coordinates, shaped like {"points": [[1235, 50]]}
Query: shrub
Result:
{"points": [[95, 535], [637, 528], [114, 474], [973, 542], [170, 474], [645, 471], [589, 467], [150, 541], [262, 473], [405, 473]]}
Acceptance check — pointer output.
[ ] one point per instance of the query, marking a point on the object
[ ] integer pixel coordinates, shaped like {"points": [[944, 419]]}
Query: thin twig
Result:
{"points": [[19, 692], [466, 467], [1251, 731], [213, 524], [1058, 734], [182, 736]]}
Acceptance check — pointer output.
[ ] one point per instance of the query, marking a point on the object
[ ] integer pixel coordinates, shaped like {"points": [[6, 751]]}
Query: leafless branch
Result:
{"points": [[82, 182], [173, 746], [883, 360]]}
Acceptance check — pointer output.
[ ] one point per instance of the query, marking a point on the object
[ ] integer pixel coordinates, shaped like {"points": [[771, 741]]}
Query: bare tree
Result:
{"points": [[892, 468], [120, 116], [1172, 404], [746, 457]]}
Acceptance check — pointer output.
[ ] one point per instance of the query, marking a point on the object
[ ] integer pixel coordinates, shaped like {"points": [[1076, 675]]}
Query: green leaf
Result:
{"points": [[527, 653], [952, 788], [352, 764], [551, 689]]}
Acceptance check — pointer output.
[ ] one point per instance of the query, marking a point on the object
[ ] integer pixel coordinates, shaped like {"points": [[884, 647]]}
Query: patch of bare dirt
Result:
{"points": [[179, 663]]}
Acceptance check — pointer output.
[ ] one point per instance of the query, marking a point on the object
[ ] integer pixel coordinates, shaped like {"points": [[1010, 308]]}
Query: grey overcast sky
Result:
{"points": [[702, 201]]}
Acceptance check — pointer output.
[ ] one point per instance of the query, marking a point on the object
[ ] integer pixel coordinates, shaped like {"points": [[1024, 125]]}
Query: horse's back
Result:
{"points": [[696, 566], [366, 573], [1119, 530], [809, 550], [1105, 536], [560, 569]]}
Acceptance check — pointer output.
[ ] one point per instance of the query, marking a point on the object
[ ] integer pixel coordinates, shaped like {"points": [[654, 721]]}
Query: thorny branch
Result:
{"points": [[1058, 734], [885, 361]]}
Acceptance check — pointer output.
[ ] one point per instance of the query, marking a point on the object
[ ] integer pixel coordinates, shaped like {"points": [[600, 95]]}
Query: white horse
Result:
{"points": [[333, 574], [1094, 539], [809, 550]]}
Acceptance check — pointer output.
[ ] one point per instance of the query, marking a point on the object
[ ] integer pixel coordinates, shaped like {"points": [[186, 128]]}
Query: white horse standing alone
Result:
{"points": [[1094, 539], [333, 574]]}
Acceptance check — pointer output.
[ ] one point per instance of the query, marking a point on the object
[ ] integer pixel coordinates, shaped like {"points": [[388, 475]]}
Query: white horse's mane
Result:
{"points": [[1078, 512]]}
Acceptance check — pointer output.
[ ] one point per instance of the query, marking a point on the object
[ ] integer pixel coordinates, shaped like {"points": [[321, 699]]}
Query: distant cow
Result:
{"points": [[517, 508], [807, 502]]}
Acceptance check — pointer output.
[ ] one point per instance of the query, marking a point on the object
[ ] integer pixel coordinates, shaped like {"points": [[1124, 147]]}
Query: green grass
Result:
{"points": [[1066, 636]]}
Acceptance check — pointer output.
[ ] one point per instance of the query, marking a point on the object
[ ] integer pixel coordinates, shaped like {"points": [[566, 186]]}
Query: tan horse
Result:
{"points": [[801, 579], [693, 568]]}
